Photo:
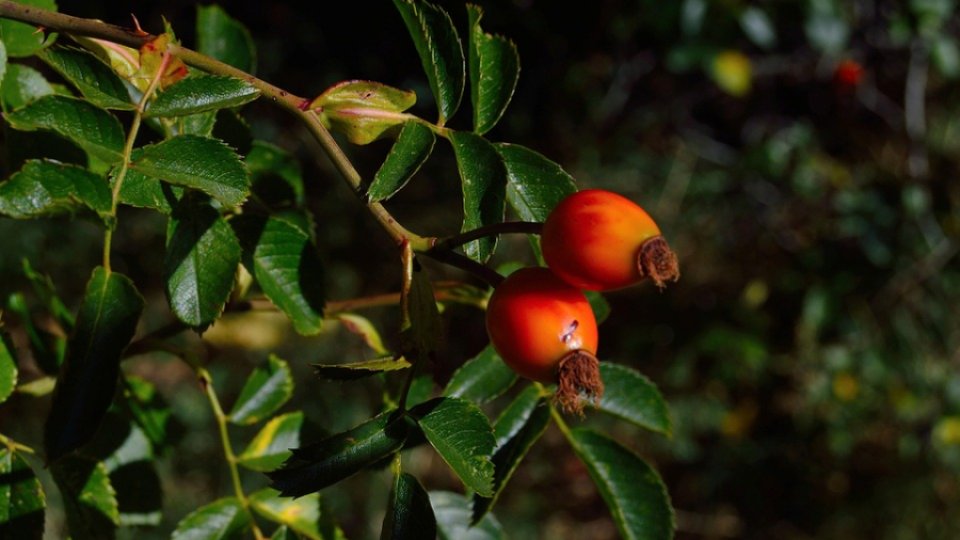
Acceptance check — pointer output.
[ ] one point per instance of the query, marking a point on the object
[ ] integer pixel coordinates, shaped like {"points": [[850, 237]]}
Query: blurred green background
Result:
{"points": [[810, 350]]}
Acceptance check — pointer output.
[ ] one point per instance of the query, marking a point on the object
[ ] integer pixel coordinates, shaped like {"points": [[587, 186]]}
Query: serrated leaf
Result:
{"points": [[516, 430], [21, 85], [482, 378], [484, 181], [409, 152], [45, 188], [453, 519], [356, 370], [200, 262], [462, 435], [441, 55], [106, 322], [633, 397], [220, 520], [409, 515], [94, 79], [88, 498], [536, 184], [266, 390], [23, 39], [271, 447], [199, 94], [633, 491], [301, 515], [275, 174], [88, 126], [8, 366], [318, 465], [284, 261], [224, 38], [363, 111], [22, 501], [196, 162], [494, 71], [146, 192]]}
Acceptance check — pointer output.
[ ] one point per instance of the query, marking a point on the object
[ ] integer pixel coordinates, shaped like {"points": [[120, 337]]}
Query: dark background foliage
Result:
{"points": [[809, 351]]}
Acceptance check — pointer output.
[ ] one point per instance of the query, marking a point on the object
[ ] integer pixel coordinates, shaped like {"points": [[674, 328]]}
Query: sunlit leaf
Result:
{"points": [[535, 184], [199, 94], [482, 378], [494, 71], [409, 152], [220, 520], [355, 370], [363, 110], [301, 515], [94, 79], [484, 182], [266, 390], [462, 435], [21, 85], [272, 444]]}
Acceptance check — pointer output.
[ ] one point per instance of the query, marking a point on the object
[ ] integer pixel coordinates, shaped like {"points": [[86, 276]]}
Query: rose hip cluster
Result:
{"points": [[539, 320]]}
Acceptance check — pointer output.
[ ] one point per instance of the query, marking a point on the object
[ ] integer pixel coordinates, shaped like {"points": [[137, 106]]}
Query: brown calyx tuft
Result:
{"points": [[579, 373], [658, 262]]}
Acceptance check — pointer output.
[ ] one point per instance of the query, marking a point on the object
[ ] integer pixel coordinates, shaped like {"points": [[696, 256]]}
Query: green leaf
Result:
{"points": [[461, 434], [224, 38], [484, 182], [363, 111], [629, 395], [22, 501], [301, 515], [21, 85], [45, 188], [482, 378], [94, 79], [453, 519], [419, 336], [88, 126], [145, 192], [536, 184], [47, 294], [3, 60], [148, 409], [272, 445], [8, 366], [88, 498], [413, 147], [946, 56], [266, 390], [516, 430], [356, 370], [409, 515], [599, 305], [440, 52], [318, 465], [196, 162], [106, 323], [23, 39], [128, 457], [275, 174], [199, 94], [494, 71], [284, 261], [200, 262], [632, 490], [48, 349], [220, 520], [362, 327]]}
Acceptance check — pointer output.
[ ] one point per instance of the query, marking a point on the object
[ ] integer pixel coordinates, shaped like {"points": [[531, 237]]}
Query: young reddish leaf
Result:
{"points": [[224, 38], [94, 79], [88, 126], [633, 491], [200, 262], [484, 181], [106, 323], [220, 520], [413, 147], [494, 71], [363, 110], [440, 52], [152, 55], [409, 515], [266, 390], [22, 501]]}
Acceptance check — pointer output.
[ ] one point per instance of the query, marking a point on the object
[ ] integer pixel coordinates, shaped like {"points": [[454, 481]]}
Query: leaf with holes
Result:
{"points": [[284, 261], [88, 126], [94, 79], [484, 182], [196, 162], [106, 323], [266, 390], [494, 71], [200, 94], [633, 491], [441, 55], [462, 435], [409, 152]]}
